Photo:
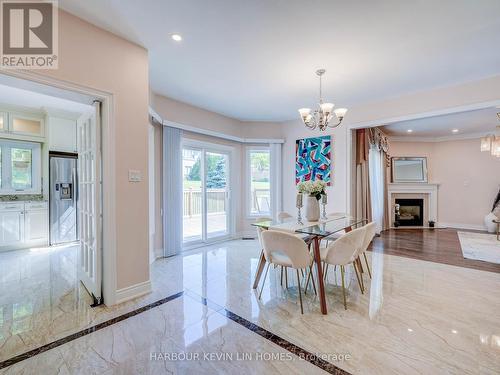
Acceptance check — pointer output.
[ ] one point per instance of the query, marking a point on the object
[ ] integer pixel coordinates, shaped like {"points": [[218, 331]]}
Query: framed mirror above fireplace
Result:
{"points": [[409, 169]]}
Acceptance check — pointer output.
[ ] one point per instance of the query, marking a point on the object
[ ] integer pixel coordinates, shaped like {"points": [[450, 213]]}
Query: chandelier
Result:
{"points": [[491, 142], [321, 117]]}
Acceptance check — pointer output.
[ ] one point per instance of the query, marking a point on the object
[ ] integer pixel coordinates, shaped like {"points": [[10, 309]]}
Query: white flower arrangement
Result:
{"points": [[313, 188]]}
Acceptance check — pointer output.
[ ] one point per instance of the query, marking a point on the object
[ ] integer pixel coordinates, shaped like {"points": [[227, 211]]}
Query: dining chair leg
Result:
{"points": [[281, 278], [361, 270], [326, 271], [300, 293], [286, 277], [360, 273], [312, 279], [342, 271], [367, 266], [307, 283], [361, 287], [264, 281]]}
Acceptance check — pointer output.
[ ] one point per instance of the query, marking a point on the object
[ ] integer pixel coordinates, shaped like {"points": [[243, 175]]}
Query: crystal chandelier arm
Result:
{"points": [[311, 123], [330, 125]]}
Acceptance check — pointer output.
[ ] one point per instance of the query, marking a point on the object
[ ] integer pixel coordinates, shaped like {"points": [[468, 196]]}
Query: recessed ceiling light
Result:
{"points": [[454, 331], [455, 130], [176, 37], [410, 330], [410, 131]]}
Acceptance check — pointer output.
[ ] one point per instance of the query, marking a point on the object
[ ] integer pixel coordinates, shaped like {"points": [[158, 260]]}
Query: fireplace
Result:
{"points": [[411, 212]]}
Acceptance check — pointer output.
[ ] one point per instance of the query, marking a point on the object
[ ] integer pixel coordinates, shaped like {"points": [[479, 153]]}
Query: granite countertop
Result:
{"points": [[22, 198]]}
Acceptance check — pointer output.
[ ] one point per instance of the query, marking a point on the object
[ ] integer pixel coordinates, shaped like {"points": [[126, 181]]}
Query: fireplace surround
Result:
{"points": [[428, 192]]}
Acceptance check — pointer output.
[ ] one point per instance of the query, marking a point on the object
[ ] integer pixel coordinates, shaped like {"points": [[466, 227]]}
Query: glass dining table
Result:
{"points": [[315, 232]]}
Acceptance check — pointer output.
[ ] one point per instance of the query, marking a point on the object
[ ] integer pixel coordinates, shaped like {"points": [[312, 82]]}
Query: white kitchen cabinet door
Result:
{"points": [[27, 125], [36, 225], [11, 227], [62, 134]]}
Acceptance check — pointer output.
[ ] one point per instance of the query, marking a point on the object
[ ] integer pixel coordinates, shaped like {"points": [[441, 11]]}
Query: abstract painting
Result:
{"points": [[313, 159]]}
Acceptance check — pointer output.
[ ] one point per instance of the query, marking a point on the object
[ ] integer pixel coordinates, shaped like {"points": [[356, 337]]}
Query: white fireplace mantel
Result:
{"points": [[416, 188]]}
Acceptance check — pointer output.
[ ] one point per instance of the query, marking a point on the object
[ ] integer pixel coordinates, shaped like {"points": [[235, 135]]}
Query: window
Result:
{"points": [[20, 167], [259, 179]]}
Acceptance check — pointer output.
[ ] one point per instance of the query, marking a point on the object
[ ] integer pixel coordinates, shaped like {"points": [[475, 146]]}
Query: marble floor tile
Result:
{"points": [[204, 341], [415, 317]]}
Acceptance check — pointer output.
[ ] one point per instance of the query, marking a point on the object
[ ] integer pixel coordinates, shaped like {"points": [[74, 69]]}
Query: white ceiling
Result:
{"points": [[255, 60], [467, 123], [26, 98]]}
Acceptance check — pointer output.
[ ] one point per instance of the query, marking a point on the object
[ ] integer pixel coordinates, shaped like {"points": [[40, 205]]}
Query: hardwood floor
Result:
{"points": [[433, 245]]}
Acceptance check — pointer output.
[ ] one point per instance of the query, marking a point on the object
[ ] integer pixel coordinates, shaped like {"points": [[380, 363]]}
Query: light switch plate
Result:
{"points": [[134, 175]]}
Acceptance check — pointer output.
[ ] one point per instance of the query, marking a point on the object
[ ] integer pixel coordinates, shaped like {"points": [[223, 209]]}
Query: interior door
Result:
{"points": [[89, 203]]}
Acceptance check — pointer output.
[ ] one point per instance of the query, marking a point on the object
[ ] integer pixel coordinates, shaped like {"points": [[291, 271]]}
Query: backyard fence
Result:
{"points": [[192, 203], [216, 201]]}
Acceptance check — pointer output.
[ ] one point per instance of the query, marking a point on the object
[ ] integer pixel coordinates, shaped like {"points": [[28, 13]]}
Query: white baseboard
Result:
{"points": [[246, 234], [462, 226], [133, 291]]}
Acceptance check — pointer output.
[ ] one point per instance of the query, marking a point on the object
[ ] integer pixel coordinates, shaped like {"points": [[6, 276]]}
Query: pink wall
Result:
{"points": [[186, 114], [469, 179], [95, 58]]}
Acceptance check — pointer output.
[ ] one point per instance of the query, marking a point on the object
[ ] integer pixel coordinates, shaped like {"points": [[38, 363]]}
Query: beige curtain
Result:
{"points": [[363, 199], [387, 215]]}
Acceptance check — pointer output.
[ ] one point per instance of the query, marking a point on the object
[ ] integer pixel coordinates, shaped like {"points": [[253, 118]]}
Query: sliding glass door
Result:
{"points": [[192, 192], [206, 206]]}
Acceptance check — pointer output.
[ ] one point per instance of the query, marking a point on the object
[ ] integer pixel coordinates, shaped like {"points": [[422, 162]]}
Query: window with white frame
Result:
{"points": [[259, 181], [20, 167]]}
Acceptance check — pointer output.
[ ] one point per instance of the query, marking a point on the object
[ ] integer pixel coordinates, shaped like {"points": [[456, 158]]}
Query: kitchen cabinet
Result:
{"points": [[22, 124], [3, 121], [26, 125], [35, 222], [11, 224], [23, 225], [62, 134]]}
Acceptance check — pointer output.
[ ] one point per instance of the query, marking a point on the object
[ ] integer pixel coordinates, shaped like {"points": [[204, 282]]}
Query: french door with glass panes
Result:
{"points": [[206, 193]]}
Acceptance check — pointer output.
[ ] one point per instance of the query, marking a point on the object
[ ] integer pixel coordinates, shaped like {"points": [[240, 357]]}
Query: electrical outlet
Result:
{"points": [[134, 175]]}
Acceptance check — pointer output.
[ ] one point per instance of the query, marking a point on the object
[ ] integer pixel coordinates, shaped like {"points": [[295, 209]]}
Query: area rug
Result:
{"points": [[480, 246]]}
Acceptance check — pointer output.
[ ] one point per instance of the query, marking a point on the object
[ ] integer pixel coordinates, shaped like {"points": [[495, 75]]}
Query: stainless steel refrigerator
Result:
{"points": [[63, 198]]}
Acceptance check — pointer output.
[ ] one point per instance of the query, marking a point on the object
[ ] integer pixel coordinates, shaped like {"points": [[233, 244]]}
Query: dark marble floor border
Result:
{"points": [[86, 331], [281, 342]]}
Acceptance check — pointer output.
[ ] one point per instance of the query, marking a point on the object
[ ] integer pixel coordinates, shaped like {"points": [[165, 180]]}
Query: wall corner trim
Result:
{"points": [[133, 291]]}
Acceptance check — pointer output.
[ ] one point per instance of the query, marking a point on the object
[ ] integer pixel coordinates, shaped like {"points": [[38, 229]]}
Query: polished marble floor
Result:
{"points": [[416, 317]]}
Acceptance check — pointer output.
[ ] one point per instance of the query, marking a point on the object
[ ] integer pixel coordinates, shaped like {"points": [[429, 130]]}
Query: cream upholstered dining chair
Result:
{"points": [[370, 230], [260, 230], [286, 250], [344, 251]]}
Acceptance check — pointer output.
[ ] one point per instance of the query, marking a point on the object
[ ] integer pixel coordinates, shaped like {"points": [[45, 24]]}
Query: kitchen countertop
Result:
{"points": [[22, 198]]}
